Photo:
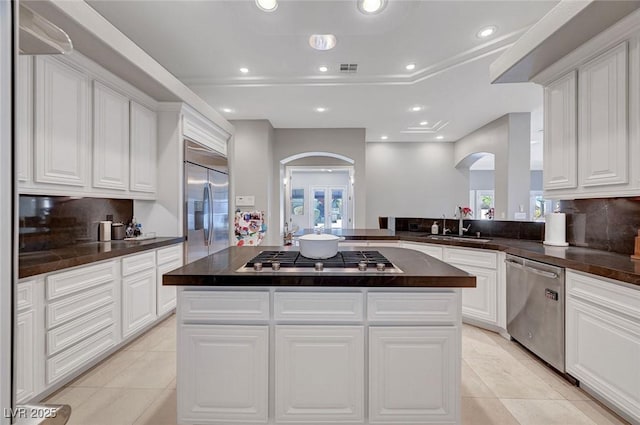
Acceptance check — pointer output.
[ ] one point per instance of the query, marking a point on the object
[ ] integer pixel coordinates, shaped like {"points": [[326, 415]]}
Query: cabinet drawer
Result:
{"points": [[471, 257], [66, 335], [172, 253], [24, 296], [225, 305], [605, 293], [137, 263], [80, 354], [318, 306], [65, 283], [431, 307], [69, 308]]}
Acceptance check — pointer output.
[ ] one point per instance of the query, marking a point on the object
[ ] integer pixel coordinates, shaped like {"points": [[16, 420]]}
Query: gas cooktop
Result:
{"points": [[343, 261]]}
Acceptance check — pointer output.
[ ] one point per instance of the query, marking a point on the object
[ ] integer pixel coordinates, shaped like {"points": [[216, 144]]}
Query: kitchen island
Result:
{"points": [[301, 345]]}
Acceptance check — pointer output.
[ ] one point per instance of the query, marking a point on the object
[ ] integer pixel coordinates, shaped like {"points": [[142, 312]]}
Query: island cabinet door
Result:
{"points": [[480, 303], [319, 374], [223, 376], [413, 375]]}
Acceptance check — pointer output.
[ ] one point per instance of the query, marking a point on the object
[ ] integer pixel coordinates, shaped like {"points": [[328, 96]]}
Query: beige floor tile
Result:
{"points": [[546, 412], [172, 384], [167, 340], [154, 369], [472, 385], [163, 411], [508, 378], [152, 338], [73, 396], [476, 343], [100, 375], [555, 381], [485, 411], [512, 347], [598, 413], [169, 322], [113, 406]]}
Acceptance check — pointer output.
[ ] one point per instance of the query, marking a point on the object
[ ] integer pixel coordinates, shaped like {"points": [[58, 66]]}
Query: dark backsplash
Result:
{"points": [[609, 224], [48, 222], [488, 228]]}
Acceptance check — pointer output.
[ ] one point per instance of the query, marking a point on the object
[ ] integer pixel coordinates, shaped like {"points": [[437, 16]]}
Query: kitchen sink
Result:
{"points": [[457, 238]]}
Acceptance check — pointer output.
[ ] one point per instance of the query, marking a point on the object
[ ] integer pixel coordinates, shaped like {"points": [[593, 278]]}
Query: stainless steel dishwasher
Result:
{"points": [[535, 308]]}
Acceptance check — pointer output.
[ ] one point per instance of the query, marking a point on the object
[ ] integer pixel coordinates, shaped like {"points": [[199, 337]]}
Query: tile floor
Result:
{"points": [[502, 384]]}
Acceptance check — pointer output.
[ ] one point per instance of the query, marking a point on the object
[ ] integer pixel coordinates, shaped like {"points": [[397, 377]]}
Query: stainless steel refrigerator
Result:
{"points": [[206, 201]]}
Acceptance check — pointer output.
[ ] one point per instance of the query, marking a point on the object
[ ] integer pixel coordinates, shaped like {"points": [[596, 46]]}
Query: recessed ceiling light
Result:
{"points": [[424, 122], [370, 7], [486, 32], [322, 41], [323, 69], [410, 67], [227, 110], [416, 108], [321, 109], [384, 137], [267, 5], [244, 70], [439, 137]]}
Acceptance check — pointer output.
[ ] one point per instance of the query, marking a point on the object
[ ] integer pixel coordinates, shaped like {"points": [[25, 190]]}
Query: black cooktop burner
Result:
{"points": [[343, 259]]}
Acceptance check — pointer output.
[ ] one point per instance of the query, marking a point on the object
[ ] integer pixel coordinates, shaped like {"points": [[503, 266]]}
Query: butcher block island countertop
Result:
{"points": [[221, 269], [312, 347]]}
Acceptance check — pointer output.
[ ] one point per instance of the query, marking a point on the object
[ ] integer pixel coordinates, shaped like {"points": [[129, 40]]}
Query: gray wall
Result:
{"points": [[413, 180], [349, 142], [251, 159], [507, 138], [484, 180]]}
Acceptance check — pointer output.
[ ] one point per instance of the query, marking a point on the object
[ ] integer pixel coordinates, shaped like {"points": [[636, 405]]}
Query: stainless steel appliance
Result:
{"points": [[206, 201], [535, 308], [343, 261]]}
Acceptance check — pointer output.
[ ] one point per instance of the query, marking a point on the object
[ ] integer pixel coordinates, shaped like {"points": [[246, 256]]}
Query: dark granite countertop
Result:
{"points": [[38, 262], [220, 269]]}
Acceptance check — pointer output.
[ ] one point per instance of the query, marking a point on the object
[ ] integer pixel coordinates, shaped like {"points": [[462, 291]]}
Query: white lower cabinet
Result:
{"points": [[319, 374], [25, 352], [138, 301], [167, 259], [413, 375], [230, 383], [480, 302], [603, 339]]}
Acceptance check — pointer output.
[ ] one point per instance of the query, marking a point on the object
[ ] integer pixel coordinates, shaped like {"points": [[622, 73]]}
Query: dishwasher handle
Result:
{"points": [[550, 275], [513, 263]]}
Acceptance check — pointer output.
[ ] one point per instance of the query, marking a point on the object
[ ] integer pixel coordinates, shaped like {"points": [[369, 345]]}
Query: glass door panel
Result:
{"points": [[337, 208], [319, 208]]}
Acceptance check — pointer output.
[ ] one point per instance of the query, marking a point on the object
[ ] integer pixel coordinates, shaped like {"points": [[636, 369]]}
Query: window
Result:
{"points": [[539, 205], [481, 202]]}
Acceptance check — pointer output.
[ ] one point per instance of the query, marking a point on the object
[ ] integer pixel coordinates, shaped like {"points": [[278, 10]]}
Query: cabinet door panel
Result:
{"points": [[603, 117], [138, 301], [25, 341], [560, 138], [110, 138], [319, 374], [413, 375], [24, 112], [612, 371], [144, 140], [480, 303], [61, 123], [166, 294], [233, 387]]}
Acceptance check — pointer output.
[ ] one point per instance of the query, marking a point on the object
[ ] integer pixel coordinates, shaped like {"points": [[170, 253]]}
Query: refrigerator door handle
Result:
{"points": [[210, 239], [207, 227]]}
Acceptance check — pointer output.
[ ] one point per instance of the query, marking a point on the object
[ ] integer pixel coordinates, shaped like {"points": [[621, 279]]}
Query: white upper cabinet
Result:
{"points": [[61, 123], [560, 141], [110, 138], [143, 156], [24, 112], [603, 112]]}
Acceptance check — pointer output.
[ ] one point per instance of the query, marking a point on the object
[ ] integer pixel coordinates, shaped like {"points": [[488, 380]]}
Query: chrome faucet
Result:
{"points": [[444, 225], [461, 229]]}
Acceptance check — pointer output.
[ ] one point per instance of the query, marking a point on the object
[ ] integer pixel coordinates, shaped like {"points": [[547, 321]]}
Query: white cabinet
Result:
{"points": [[62, 123], [231, 382], [138, 301], [603, 339], [486, 303], [603, 111], [24, 116], [560, 136], [429, 249], [319, 374], [110, 138], [29, 358], [144, 142], [167, 259], [413, 375]]}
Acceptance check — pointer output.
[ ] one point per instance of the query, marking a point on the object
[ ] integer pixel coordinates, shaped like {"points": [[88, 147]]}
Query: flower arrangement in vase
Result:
{"points": [[465, 212]]}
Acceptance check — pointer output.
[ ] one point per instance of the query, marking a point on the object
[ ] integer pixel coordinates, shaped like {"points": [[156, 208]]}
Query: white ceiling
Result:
{"points": [[205, 43]]}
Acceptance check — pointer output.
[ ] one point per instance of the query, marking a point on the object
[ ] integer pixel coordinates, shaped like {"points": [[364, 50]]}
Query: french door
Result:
{"points": [[329, 206]]}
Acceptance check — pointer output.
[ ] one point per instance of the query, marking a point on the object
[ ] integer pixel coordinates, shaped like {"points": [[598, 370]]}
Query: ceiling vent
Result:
{"points": [[349, 67]]}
